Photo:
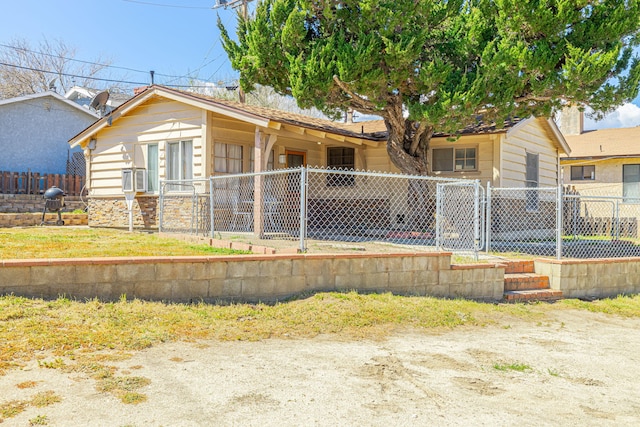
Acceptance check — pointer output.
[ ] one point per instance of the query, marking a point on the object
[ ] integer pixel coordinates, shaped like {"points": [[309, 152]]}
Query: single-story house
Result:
{"points": [[35, 131], [173, 134], [604, 162], [602, 177]]}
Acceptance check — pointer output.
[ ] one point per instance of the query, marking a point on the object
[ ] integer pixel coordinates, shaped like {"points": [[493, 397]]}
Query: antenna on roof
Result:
{"points": [[99, 102]]}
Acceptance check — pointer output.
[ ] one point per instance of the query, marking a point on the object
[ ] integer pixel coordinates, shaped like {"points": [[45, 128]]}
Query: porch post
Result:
{"points": [[258, 223]]}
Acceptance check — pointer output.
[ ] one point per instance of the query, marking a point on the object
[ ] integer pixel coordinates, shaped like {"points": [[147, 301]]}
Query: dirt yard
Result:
{"points": [[574, 368]]}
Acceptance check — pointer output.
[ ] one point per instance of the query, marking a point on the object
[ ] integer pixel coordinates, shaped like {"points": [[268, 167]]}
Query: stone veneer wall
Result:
{"points": [[249, 277], [23, 203], [592, 278], [113, 212]]}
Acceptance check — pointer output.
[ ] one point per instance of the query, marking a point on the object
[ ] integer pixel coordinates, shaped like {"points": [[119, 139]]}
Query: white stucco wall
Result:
{"points": [[34, 134]]}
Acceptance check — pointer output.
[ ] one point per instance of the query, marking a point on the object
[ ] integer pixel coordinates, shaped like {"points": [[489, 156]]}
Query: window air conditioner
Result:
{"points": [[134, 180]]}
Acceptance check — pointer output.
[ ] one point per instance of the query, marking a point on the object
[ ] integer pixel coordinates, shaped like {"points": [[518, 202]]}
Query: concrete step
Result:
{"points": [[525, 281], [533, 295]]}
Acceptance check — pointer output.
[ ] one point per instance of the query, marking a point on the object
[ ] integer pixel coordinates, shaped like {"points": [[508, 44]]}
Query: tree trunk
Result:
{"points": [[408, 145]]}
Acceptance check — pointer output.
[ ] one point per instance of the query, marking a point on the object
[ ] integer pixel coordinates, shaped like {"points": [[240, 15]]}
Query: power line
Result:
{"points": [[97, 78], [79, 60], [167, 5]]}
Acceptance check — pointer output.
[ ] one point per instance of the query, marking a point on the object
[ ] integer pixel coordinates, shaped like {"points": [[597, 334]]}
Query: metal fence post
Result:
{"points": [[211, 208], [487, 243], [303, 208], [476, 217], [559, 223], [438, 216]]}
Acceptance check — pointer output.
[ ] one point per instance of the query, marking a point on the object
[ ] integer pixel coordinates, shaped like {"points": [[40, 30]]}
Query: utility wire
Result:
{"points": [[167, 5], [95, 78], [81, 61]]}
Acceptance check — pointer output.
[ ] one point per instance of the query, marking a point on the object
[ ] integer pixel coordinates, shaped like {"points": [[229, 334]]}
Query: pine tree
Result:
{"points": [[428, 65]]}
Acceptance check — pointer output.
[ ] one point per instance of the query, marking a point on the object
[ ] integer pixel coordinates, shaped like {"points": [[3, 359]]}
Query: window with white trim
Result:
{"points": [[583, 173], [531, 181], [452, 159], [180, 160], [152, 168], [631, 183]]}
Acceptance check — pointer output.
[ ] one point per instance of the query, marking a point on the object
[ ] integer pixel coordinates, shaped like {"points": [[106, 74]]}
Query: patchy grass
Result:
{"points": [[627, 306], [27, 384], [84, 337], [124, 388], [57, 242], [62, 327], [45, 398], [40, 420], [518, 367], [12, 408]]}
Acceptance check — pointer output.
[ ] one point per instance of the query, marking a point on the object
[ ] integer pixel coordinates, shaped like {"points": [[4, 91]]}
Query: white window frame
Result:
{"points": [[453, 158], [182, 162], [590, 177], [153, 175], [532, 201], [627, 186]]}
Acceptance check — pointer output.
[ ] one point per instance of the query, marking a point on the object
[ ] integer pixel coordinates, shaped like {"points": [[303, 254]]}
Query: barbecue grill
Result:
{"points": [[54, 202]]}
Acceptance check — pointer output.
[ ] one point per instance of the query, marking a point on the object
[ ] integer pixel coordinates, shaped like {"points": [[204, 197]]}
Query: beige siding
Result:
{"points": [[123, 144], [528, 137], [608, 176], [484, 147], [378, 160]]}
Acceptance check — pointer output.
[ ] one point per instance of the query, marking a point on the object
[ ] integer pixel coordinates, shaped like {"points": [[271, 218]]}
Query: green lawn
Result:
{"points": [[66, 242]]}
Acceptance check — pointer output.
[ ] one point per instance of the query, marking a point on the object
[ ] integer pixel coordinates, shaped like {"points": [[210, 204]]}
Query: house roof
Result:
{"points": [[50, 94], [374, 126], [479, 128], [371, 132], [115, 98], [260, 116], [604, 143]]}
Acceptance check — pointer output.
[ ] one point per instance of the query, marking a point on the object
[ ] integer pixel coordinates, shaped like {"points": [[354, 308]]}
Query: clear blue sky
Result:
{"points": [[134, 34], [153, 35]]}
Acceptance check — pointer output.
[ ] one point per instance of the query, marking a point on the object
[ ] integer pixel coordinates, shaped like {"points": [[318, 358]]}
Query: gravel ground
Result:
{"points": [[579, 368]]}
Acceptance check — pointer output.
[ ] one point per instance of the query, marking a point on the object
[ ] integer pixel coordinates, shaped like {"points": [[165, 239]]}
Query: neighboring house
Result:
{"points": [[604, 162], [601, 177], [34, 130], [173, 134], [84, 95]]}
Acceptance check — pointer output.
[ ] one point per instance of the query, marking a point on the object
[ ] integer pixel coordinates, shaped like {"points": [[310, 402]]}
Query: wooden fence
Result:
{"points": [[36, 183]]}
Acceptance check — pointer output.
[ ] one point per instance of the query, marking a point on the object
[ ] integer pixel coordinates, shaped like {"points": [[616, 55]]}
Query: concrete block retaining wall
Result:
{"points": [[31, 219], [249, 277], [21, 203], [592, 278]]}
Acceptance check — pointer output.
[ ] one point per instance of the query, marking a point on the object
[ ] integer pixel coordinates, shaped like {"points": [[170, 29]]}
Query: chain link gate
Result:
{"points": [[185, 207], [460, 208]]}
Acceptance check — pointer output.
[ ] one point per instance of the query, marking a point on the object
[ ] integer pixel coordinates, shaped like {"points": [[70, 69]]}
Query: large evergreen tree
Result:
{"points": [[429, 65]]}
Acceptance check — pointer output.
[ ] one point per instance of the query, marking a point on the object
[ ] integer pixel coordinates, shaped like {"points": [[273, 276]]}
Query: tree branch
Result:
{"points": [[358, 102]]}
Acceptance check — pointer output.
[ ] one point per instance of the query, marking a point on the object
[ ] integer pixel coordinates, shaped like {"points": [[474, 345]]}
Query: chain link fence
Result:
{"points": [[522, 220], [320, 204], [600, 223], [433, 213]]}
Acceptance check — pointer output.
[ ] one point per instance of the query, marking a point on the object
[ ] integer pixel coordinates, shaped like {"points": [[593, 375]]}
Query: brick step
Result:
{"points": [[533, 295], [524, 281], [514, 267]]}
